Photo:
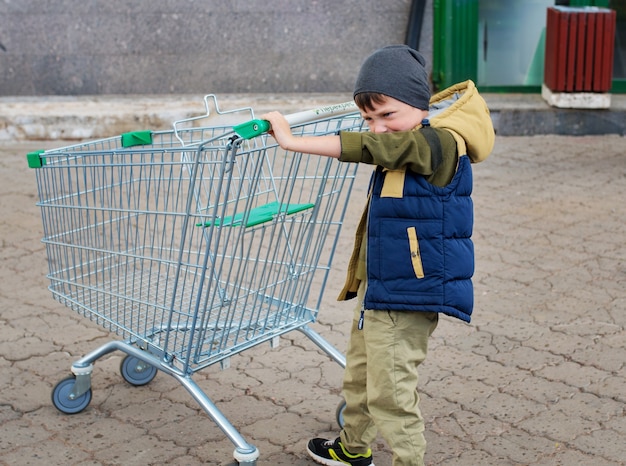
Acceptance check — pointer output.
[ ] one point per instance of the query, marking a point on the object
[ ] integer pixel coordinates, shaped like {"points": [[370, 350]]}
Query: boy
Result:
{"points": [[413, 255]]}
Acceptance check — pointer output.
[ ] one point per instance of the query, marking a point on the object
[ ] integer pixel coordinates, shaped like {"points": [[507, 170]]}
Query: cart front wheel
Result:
{"points": [[341, 407], [136, 372], [63, 402]]}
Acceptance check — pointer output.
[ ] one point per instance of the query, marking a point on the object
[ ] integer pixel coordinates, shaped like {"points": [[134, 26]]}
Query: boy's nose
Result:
{"points": [[378, 127]]}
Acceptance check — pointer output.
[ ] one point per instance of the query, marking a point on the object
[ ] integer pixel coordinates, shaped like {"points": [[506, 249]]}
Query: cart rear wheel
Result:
{"points": [[61, 397], [341, 407], [136, 372]]}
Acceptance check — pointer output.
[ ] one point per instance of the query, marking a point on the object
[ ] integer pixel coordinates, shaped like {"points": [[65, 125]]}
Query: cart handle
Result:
{"points": [[254, 128]]}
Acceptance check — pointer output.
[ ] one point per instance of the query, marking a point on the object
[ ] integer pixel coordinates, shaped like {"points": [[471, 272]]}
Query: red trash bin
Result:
{"points": [[579, 49]]}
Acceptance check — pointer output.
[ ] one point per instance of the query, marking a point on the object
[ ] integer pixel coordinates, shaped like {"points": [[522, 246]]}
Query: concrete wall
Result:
{"points": [[82, 47]]}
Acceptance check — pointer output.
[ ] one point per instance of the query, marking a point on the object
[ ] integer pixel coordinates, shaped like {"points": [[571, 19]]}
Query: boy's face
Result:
{"points": [[392, 115]]}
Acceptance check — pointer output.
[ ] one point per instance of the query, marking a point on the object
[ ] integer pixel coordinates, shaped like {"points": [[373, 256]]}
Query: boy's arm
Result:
{"points": [[408, 149], [329, 146]]}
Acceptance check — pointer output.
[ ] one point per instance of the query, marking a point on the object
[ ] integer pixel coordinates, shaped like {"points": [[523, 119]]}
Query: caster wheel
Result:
{"points": [[61, 397], [339, 413], [136, 372]]}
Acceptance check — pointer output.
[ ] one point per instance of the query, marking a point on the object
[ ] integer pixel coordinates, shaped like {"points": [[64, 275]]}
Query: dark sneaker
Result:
{"points": [[333, 453]]}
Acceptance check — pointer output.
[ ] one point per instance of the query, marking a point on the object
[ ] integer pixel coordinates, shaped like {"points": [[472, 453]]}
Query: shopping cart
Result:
{"points": [[192, 245]]}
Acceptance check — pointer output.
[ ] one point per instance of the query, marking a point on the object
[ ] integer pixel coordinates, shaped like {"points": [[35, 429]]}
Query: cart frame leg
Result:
{"points": [[245, 453], [329, 349]]}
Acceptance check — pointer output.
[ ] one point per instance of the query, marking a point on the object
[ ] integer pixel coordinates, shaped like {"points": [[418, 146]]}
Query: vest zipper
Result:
{"points": [[367, 229], [362, 318]]}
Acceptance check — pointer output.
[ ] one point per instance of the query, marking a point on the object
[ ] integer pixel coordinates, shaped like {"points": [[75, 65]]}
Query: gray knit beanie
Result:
{"points": [[396, 71]]}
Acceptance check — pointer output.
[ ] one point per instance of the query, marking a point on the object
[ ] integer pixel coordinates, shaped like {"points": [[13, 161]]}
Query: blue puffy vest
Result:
{"points": [[420, 256]]}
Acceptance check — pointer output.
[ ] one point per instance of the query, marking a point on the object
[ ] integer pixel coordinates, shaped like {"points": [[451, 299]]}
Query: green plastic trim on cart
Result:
{"points": [[35, 160], [137, 138], [252, 128], [259, 215]]}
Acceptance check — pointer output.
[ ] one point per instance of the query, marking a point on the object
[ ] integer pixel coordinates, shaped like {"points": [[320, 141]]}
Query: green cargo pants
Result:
{"points": [[380, 382]]}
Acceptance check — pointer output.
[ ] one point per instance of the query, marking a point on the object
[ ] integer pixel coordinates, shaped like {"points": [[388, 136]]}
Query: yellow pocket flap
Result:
{"points": [[416, 257]]}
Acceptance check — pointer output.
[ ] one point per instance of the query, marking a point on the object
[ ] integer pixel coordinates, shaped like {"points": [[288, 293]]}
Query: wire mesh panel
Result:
{"points": [[195, 244]]}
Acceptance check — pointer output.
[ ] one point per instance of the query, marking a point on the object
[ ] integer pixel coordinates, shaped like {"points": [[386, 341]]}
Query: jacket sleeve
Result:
{"points": [[410, 149]]}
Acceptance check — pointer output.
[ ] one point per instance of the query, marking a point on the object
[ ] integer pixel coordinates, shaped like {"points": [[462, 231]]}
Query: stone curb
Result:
{"points": [[94, 117]]}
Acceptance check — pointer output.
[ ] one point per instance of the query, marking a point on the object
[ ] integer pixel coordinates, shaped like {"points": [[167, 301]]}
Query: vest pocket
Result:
{"points": [[416, 257]]}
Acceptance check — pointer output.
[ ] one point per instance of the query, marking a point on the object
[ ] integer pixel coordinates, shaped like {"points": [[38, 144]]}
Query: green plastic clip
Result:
{"points": [[137, 138], [252, 128], [35, 160]]}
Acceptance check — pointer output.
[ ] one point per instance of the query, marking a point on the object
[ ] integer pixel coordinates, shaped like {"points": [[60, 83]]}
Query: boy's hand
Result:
{"points": [[280, 129], [329, 145]]}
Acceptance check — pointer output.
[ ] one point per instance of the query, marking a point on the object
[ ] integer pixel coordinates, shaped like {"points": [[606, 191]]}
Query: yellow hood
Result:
{"points": [[461, 109]]}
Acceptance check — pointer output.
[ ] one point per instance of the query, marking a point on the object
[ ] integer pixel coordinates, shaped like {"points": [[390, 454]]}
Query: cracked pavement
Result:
{"points": [[537, 379]]}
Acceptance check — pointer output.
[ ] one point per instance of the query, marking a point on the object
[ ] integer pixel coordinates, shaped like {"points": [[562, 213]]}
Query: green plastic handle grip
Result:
{"points": [[252, 128]]}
